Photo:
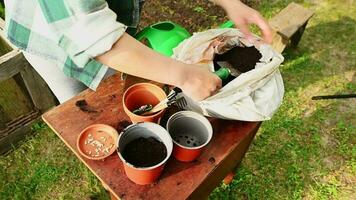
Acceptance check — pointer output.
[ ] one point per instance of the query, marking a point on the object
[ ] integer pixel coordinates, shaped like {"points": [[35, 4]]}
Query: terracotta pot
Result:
{"points": [[144, 175], [97, 134], [142, 94], [190, 132]]}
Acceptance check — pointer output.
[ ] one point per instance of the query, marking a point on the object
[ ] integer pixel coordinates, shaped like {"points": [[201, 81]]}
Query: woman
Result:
{"points": [[72, 43]]}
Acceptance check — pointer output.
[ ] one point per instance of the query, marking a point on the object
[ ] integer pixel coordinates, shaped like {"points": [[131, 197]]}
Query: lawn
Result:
{"points": [[307, 151]]}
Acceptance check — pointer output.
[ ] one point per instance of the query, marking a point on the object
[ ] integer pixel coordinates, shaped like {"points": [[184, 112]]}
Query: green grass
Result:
{"points": [[307, 151], [2, 11]]}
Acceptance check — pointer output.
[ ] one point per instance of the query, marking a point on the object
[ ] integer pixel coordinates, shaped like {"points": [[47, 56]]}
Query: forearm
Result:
{"points": [[130, 56]]}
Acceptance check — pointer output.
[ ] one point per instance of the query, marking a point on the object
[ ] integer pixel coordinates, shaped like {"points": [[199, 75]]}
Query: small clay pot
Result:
{"points": [[190, 132], [142, 94], [144, 175]]}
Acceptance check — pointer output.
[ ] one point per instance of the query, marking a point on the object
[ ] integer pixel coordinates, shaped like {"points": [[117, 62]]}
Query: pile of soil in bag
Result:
{"points": [[243, 59], [144, 152]]}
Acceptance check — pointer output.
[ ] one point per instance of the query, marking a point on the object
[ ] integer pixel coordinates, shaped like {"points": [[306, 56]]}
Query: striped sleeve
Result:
{"points": [[84, 28]]}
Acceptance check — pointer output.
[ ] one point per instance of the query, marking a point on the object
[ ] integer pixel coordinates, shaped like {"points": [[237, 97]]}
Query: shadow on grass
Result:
{"points": [[325, 50], [291, 156]]}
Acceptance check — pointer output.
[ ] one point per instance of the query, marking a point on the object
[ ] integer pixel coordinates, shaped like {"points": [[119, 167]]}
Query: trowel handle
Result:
{"points": [[223, 73]]}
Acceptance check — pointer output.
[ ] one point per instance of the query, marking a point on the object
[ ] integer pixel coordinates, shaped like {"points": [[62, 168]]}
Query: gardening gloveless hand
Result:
{"points": [[132, 57], [243, 16]]}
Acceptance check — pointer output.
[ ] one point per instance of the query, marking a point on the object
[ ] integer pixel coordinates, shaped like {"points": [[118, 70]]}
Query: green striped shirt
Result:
{"points": [[71, 32]]}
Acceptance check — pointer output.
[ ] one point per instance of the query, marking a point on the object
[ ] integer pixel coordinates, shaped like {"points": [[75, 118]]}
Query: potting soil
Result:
{"points": [[144, 152], [242, 59]]}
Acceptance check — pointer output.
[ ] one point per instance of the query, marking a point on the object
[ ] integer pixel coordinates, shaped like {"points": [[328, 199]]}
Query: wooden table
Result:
{"points": [[179, 180]]}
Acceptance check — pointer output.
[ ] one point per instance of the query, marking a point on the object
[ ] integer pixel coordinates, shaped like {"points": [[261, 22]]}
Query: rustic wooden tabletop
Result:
{"points": [[179, 180]]}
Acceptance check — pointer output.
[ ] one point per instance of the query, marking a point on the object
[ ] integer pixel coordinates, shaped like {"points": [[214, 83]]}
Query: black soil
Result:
{"points": [[83, 106], [243, 59], [144, 152]]}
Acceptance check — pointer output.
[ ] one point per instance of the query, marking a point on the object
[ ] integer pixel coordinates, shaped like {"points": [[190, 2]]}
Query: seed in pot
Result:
{"points": [[89, 140], [89, 152], [103, 138], [106, 150]]}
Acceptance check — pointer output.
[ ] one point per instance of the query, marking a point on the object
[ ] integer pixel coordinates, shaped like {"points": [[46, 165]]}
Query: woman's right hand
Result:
{"points": [[198, 82]]}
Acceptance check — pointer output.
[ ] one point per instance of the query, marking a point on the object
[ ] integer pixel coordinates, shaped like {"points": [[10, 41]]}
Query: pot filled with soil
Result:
{"points": [[190, 132], [144, 148], [139, 98]]}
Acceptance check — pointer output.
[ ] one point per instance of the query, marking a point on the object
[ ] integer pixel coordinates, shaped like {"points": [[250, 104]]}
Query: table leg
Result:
{"points": [[227, 165]]}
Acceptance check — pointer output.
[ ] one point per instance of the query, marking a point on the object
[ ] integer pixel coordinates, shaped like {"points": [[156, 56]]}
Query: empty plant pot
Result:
{"points": [[144, 148], [143, 94], [190, 132]]}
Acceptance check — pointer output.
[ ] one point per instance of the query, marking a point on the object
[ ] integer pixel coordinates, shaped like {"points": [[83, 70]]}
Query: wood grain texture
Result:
{"points": [[11, 64], [179, 180], [289, 26], [18, 134], [290, 19], [41, 95]]}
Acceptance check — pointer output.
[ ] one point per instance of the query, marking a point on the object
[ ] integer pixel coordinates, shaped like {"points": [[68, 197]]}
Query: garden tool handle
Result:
{"points": [[223, 73]]}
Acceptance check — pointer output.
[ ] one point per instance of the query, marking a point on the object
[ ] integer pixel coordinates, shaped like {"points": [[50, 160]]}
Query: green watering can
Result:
{"points": [[163, 37]]}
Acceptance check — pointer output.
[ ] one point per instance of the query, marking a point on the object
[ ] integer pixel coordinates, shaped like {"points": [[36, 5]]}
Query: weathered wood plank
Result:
{"points": [[11, 64], [16, 136], [279, 43], [289, 26], [3, 118], [41, 95], [290, 19]]}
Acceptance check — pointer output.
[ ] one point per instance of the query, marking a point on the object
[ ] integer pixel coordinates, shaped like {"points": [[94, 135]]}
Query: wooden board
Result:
{"points": [[179, 180], [290, 19], [289, 24]]}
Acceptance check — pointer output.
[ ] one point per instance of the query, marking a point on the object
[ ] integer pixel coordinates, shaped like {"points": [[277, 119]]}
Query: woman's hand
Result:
{"points": [[198, 82], [243, 16], [132, 57]]}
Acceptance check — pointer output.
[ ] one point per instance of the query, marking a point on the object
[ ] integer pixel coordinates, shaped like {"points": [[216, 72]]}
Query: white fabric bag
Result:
{"points": [[252, 96]]}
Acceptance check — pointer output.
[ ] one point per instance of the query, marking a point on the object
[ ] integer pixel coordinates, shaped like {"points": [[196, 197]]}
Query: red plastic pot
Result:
{"points": [[144, 175], [190, 132], [142, 94]]}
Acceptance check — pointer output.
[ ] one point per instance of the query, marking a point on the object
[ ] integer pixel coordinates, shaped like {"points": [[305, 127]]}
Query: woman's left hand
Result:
{"points": [[243, 16]]}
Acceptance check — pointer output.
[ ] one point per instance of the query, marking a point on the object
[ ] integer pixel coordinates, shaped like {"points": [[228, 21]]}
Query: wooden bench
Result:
{"points": [[289, 26], [24, 95]]}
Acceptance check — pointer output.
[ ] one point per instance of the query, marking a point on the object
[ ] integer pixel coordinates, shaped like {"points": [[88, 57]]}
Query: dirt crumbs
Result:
{"points": [[83, 106], [243, 59], [144, 152]]}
